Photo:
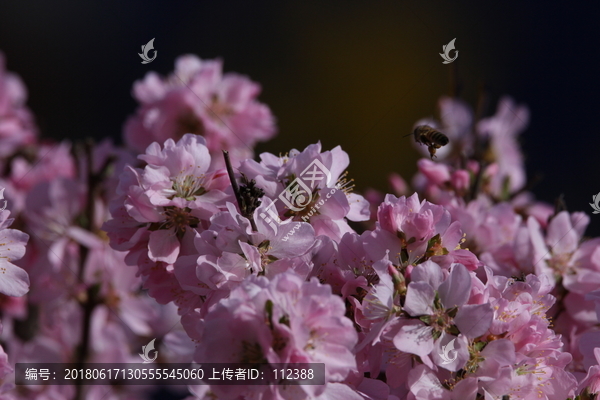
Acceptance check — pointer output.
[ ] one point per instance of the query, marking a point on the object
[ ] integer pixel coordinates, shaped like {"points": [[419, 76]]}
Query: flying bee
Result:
{"points": [[430, 137]]}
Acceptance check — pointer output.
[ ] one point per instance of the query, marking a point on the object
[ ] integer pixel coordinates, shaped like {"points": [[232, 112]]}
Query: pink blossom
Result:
{"points": [[502, 130], [592, 379], [198, 99], [5, 369], [49, 162], [119, 287], [559, 254], [413, 231], [14, 281], [440, 304], [309, 186], [497, 234], [232, 230], [163, 203], [265, 321], [345, 266], [520, 317], [381, 304], [398, 185], [434, 172], [17, 127], [52, 210]]}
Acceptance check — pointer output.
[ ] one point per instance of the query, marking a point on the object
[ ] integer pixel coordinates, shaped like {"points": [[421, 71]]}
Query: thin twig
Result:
{"points": [[483, 100], [90, 301], [236, 191], [477, 184]]}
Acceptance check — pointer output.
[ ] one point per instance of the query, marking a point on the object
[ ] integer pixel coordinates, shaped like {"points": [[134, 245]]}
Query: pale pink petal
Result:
{"points": [[14, 281], [163, 246]]}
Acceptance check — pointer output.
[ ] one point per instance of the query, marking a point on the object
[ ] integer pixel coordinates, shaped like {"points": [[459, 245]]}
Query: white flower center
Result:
{"points": [[189, 186]]}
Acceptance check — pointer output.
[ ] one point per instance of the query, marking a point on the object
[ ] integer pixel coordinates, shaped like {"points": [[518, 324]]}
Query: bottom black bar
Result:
{"points": [[169, 374]]}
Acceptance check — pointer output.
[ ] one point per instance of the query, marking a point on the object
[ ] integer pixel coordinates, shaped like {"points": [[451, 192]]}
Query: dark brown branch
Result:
{"points": [[236, 191], [90, 300], [477, 184]]}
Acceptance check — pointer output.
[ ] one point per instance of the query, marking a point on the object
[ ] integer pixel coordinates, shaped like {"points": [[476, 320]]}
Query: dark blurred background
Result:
{"points": [[353, 73]]}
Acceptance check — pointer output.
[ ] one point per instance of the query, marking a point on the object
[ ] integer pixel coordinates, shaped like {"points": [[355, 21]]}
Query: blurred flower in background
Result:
{"points": [[198, 98]]}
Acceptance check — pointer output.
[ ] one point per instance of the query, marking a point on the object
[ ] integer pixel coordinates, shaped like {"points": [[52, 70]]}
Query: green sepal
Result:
{"points": [[453, 330], [452, 312], [285, 320], [479, 345]]}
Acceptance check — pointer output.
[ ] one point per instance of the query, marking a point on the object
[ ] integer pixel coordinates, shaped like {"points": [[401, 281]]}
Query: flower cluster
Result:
{"points": [[515, 237], [466, 288], [198, 98], [17, 127]]}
